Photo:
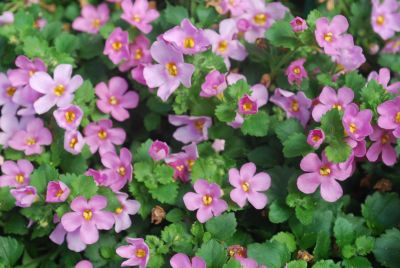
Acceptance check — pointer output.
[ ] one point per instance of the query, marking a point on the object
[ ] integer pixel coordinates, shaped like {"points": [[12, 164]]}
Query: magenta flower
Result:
{"points": [[225, 43], [88, 218], [158, 150], [192, 128], [92, 18], [170, 72], [296, 72], [59, 234], [385, 17], [26, 68], [328, 34], [58, 91], [359, 147], [181, 260], [101, 136], [73, 141], [84, 264], [242, 24], [24, 196], [16, 174], [187, 38], [383, 78], [295, 105], [57, 192], [139, 14], [392, 47], [114, 98], [249, 263], [137, 253], [389, 118], [235, 7], [248, 186], [321, 173], [207, 200], [116, 47], [119, 169], [298, 24], [183, 162], [382, 145], [121, 214], [315, 138], [139, 53], [137, 74], [357, 124], [32, 139], [68, 117], [247, 106], [7, 92], [10, 125], [329, 99], [346, 54], [218, 145], [213, 85]]}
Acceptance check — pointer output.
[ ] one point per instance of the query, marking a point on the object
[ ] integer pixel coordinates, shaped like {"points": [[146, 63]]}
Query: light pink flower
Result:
{"points": [[181, 260], [16, 174], [139, 14], [123, 212], [137, 253], [158, 150], [116, 47], [298, 24], [84, 264], [315, 138], [383, 141], [296, 72], [73, 141], [68, 117], [57, 192], [91, 19], [119, 168], [24, 196]]}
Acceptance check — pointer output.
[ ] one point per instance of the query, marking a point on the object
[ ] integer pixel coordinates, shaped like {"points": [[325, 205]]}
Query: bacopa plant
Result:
{"points": [[200, 133]]}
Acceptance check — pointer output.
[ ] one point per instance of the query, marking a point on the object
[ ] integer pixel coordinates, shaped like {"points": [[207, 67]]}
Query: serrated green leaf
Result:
{"points": [[225, 112], [256, 124], [287, 239], [296, 145], [387, 248], [223, 226], [271, 253], [41, 176], [281, 35], [10, 251], [213, 253]]}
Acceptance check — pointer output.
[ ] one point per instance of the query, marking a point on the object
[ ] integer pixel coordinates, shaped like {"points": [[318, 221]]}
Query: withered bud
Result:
{"points": [[266, 80], [366, 182], [157, 215], [304, 255], [237, 251], [152, 5], [67, 27], [261, 43], [383, 185]]}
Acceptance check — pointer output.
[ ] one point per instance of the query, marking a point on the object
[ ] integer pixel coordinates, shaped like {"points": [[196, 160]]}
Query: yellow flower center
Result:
{"points": [[102, 134], [113, 100], [337, 106], [20, 178], [136, 18], [121, 171], [199, 125], [138, 54], [207, 200], [188, 42], [96, 23], [247, 106], [325, 171], [70, 116], [295, 106], [87, 214], [190, 164], [246, 186], [10, 91], [222, 46], [385, 139], [73, 142], [397, 118], [59, 90], [31, 141], [260, 19], [180, 168], [316, 138], [140, 253], [328, 37], [172, 69], [352, 127], [32, 72], [117, 45], [380, 20], [296, 70], [59, 193], [119, 210]]}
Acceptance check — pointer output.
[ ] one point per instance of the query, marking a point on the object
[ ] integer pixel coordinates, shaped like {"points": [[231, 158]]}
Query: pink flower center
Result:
{"points": [[59, 193], [136, 18], [324, 171], [328, 37], [380, 20], [87, 214], [172, 69], [260, 18], [222, 46], [247, 106], [199, 125], [299, 22], [70, 116], [30, 141], [245, 186], [102, 134], [31, 72], [10, 91], [73, 142], [138, 54], [116, 46], [397, 118], [20, 178], [295, 106], [119, 210], [96, 23], [188, 42], [353, 128], [59, 90], [190, 163], [113, 100], [385, 139], [121, 171], [207, 200], [296, 70], [315, 138], [140, 253]]}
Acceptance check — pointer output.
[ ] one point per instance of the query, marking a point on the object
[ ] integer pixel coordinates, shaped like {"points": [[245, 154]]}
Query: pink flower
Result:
{"points": [[137, 253], [187, 38], [59, 234], [192, 128], [114, 98], [389, 116], [139, 14], [383, 141], [116, 47], [139, 53], [298, 24], [58, 91], [92, 18], [183, 162], [88, 218], [296, 72], [170, 72], [346, 54], [321, 173], [16, 174], [383, 78], [57, 192], [225, 43], [295, 105], [10, 125], [213, 85], [385, 17], [73, 141], [328, 34], [121, 214], [357, 124], [392, 47], [158, 150], [218, 145], [137, 74], [84, 264], [7, 92], [248, 186], [26, 68], [249, 263], [68, 117], [207, 200], [181, 260], [101, 136], [329, 99], [6, 17], [235, 7], [247, 106], [32, 139], [315, 138], [24, 196], [119, 169]]}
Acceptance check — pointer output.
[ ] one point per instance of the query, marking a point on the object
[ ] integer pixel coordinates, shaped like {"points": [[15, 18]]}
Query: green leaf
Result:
{"points": [[112, 200], [278, 212], [7, 201], [10, 251], [322, 246], [142, 152], [381, 211], [175, 215], [355, 81], [271, 253], [326, 264], [372, 95], [177, 235], [338, 152], [232, 263], [85, 186], [391, 61], [238, 89], [223, 226], [66, 43], [225, 112], [175, 14], [164, 174], [41, 176], [85, 93], [265, 156], [165, 193], [256, 124], [34, 47], [287, 128], [287, 239], [281, 35], [387, 249], [151, 121], [344, 232], [365, 245], [357, 262], [16, 224], [296, 145], [297, 264], [213, 253]]}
